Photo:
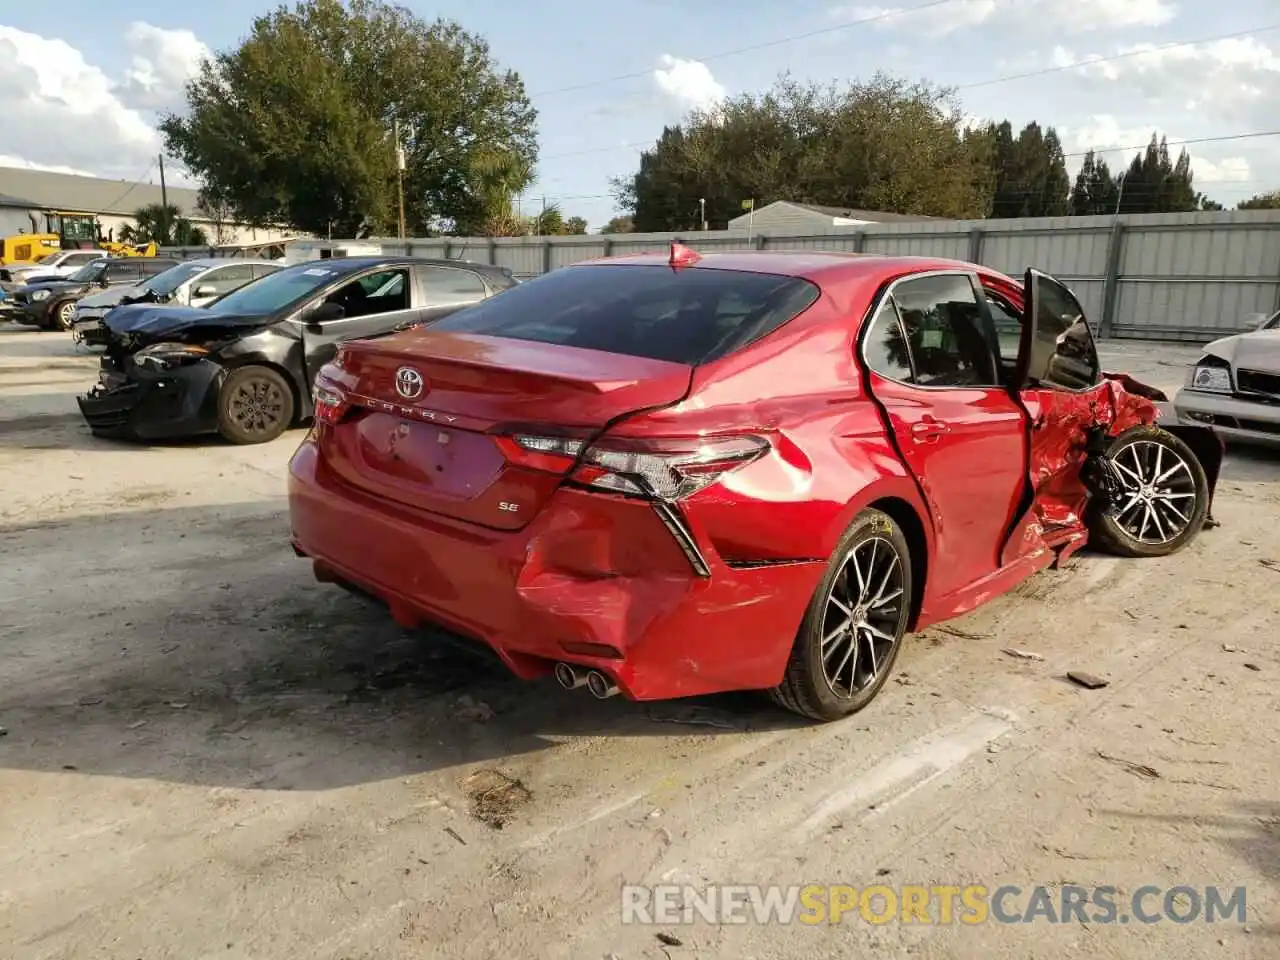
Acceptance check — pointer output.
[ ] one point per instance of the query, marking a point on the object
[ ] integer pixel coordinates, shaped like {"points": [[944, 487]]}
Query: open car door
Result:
{"points": [[1058, 380]]}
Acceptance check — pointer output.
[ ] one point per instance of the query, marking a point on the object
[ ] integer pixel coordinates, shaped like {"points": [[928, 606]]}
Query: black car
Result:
{"points": [[243, 366], [50, 304]]}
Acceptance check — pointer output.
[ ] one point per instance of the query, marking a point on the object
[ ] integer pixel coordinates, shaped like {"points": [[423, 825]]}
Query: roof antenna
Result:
{"points": [[682, 256]]}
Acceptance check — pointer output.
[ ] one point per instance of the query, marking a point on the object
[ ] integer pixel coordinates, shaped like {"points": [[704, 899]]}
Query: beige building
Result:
{"points": [[25, 194], [784, 216]]}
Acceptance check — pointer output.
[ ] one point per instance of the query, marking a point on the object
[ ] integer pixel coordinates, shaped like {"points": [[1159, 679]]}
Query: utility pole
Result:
{"points": [[702, 205], [164, 204], [400, 176]]}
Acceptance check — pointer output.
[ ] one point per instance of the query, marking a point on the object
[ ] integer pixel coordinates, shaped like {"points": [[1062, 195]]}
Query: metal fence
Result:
{"points": [[1190, 276]]}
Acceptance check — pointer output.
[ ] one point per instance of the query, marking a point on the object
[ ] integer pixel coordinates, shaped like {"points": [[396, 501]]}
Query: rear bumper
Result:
{"points": [[155, 406], [589, 569], [1232, 418]]}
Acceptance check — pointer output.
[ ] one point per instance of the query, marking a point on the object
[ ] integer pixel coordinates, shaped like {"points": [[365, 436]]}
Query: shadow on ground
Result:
{"points": [[1251, 832], [195, 648]]}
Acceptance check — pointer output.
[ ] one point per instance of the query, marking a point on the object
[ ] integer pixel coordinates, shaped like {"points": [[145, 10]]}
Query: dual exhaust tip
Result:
{"points": [[571, 678]]}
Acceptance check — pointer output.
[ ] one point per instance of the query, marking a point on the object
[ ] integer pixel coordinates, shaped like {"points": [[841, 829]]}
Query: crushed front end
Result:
{"points": [[152, 390]]}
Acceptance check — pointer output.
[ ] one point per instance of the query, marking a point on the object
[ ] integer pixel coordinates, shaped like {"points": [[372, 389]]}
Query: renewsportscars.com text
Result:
{"points": [[971, 904]]}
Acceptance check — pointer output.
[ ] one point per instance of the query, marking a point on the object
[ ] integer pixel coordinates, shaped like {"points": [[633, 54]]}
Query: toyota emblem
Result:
{"points": [[409, 383]]}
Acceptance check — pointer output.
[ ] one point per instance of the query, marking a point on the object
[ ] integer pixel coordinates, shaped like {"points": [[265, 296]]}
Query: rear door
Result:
{"points": [[1059, 379], [219, 281], [935, 371], [121, 272], [371, 304], [446, 290]]}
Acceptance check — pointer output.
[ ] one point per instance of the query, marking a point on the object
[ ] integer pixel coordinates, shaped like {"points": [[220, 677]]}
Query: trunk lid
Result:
{"points": [[431, 411]]}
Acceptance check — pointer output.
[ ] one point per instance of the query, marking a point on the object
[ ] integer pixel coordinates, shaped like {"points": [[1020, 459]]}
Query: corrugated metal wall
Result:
{"points": [[1190, 276]]}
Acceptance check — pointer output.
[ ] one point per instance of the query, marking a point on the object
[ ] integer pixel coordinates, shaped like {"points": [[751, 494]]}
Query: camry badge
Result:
{"points": [[409, 383]]}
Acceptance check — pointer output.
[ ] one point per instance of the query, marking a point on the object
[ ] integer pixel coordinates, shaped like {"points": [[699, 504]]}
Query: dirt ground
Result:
{"points": [[206, 754]]}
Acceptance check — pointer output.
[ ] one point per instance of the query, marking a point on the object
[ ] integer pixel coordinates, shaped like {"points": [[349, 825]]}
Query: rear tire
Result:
{"points": [[255, 405], [853, 629], [1165, 499]]}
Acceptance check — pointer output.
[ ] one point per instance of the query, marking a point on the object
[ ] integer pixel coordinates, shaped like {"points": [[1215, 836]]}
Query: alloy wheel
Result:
{"points": [[65, 314], [257, 406], [1159, 492], [860, 627]]}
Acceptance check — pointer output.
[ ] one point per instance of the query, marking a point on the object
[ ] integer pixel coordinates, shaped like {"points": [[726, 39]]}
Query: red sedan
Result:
{"points": [[674, 475]]}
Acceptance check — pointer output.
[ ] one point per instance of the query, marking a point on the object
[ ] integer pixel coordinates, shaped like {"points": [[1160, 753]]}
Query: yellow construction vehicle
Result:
{"points": [[22, 248], [130, 249]]}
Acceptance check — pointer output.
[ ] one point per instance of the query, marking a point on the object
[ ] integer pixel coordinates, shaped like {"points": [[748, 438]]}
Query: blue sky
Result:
{"points": [[131, 59]]}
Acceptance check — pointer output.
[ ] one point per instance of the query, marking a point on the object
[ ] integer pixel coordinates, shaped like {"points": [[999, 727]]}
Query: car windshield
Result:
{"points": [[164, 283], [1273, 323], [685, 316], [276, 291], [90, 272]]}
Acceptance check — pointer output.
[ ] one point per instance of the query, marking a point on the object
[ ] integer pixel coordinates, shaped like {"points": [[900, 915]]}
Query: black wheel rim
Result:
{"points": [[861, 624], [1159, 492], [257, 406]]}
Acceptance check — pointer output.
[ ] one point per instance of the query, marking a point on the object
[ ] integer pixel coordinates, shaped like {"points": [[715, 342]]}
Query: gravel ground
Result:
{"points": [[208, 754]]}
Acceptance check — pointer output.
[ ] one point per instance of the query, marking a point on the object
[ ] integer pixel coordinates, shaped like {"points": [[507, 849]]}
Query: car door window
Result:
{"points": [[942, 323], [122, 272], [383, 292], [262, 269], [1062, 352], [446, 286], [152, 268], [79, 259], [225, 279], [885, 345]]}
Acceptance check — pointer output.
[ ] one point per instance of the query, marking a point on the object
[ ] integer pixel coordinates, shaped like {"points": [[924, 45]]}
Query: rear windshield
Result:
{"points": [[687, 316]]}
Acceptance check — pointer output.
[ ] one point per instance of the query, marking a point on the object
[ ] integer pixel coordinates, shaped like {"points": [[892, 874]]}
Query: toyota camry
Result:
{"points": [[668, 475]]}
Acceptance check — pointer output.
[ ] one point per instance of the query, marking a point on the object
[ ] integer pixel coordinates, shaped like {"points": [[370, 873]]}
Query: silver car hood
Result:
{"points": [[1259, 350]]}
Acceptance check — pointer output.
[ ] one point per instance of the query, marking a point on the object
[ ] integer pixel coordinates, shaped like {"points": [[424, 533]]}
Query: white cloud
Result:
{"points": [[688, 83], [56, 109], [60, 113], [1117, 143], [1075, 16], [1234, 81], [162, 63]]}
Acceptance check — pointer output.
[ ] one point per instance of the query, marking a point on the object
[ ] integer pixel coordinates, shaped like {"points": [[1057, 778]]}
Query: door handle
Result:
{"points": [[928, 431]]}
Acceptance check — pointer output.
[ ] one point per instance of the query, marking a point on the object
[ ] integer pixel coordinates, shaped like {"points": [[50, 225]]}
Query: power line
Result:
{"points": [[1119, 56], [873, 18], [981, 83], [133, 186]]}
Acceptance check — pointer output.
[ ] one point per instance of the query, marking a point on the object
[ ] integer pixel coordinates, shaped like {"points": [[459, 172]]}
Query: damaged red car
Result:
{"points": [[677, 474]]}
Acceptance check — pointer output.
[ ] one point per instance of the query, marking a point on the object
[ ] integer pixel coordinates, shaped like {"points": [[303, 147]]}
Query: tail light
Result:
{"points": [[331, 405], [667, 469]]}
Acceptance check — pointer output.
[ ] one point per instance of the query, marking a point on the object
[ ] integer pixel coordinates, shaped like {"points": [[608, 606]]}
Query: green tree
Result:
{"points": [[165, 225], [884, 145], [1096, 191], [1263, 201], [575, 225], [618, 225], [1155, 184], [295, 125], [1030, 172]]}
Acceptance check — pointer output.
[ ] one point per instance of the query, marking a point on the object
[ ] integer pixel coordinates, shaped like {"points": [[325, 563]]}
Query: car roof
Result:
{"points": [[348, 264], [225, 261], [817, 265]]}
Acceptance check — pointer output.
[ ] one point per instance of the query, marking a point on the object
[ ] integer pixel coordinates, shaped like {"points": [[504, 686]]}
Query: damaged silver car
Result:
{"points": [[1235, 386]]}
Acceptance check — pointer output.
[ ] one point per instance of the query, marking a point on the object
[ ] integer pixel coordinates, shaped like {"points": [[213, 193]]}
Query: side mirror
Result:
{"points": [[324, 312], [204, 291]]}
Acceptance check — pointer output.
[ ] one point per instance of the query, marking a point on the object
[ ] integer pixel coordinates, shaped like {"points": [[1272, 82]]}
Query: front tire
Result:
{"points": [[60, 316], [1164, 499], [255, 405], [853, 629]]}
